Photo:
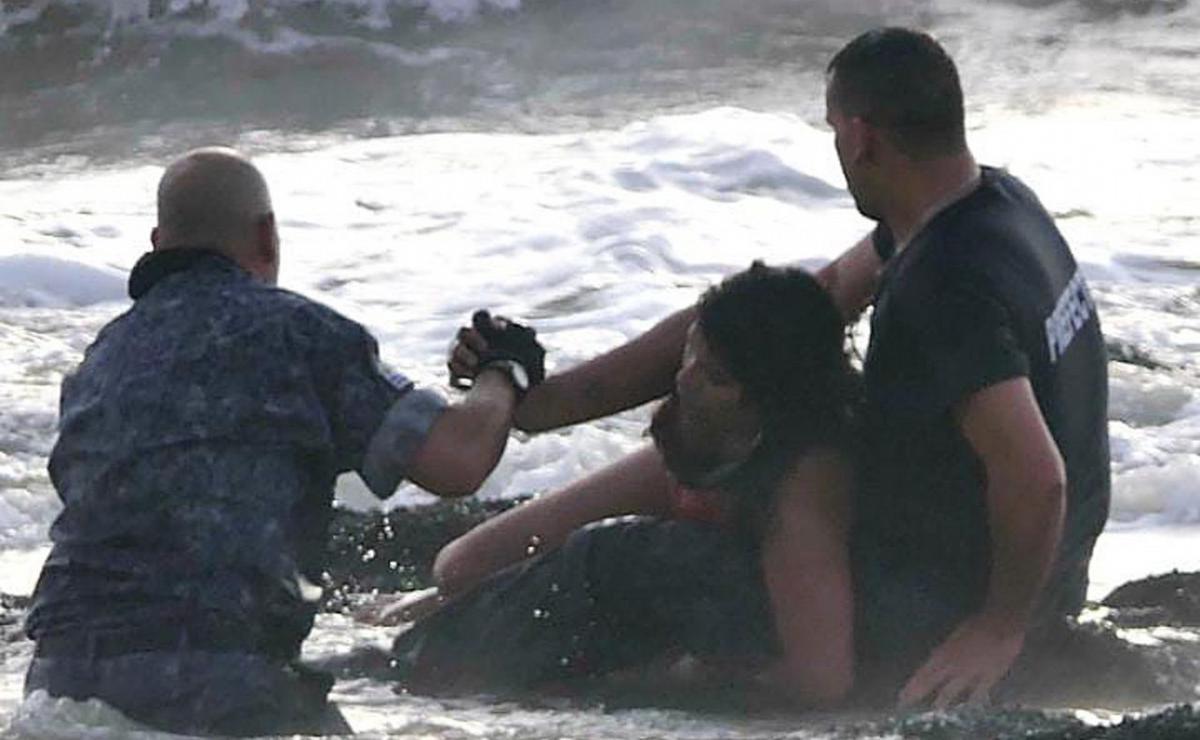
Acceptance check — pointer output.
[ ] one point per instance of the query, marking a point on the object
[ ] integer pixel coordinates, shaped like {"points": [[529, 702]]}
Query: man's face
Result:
{"points": [[704, 420], [850, 139]]}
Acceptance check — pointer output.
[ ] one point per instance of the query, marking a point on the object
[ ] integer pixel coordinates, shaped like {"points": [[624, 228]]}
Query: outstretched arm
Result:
{"points": [[1026, 498], [853, 278], [644, 368], [636, 372], [806, 567], [636, 484]]}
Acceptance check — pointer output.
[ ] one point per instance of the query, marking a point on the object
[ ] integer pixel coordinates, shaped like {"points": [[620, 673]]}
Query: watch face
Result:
{"points": [[520, 378]]}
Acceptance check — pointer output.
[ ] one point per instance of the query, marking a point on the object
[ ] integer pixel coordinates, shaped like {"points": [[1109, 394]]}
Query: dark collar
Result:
{"points": [[154, 266]]}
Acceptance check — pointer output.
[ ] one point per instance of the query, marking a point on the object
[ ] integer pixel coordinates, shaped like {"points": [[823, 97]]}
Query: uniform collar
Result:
{"points": [[943, 204], [152, 267]]}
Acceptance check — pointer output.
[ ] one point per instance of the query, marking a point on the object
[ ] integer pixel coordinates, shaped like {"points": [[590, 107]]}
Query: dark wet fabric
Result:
{"points": [[986, 292], [194, 692], [617, 595], [154, 266], [199, 441]]}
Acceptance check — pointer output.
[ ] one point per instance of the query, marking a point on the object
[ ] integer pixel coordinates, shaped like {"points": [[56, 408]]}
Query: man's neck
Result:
{"points": [[927, 190]]}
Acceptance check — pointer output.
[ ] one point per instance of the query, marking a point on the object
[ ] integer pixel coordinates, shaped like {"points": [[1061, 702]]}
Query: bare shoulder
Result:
{"points": [[821, 481], [826, 458], [852, 278]]}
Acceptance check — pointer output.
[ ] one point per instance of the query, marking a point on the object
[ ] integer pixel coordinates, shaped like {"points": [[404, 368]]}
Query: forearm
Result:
{"points": [[1024, 519], [537, 526], [487, 413], [630, 375], [1025, 500], [468, 439], [1025, 523], [632, 485], [852, 279], [1025, 494]]}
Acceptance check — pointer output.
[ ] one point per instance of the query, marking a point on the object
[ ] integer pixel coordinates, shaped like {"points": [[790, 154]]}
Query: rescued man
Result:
{"points": [[736, 558], [985, 477], [199, 441]]}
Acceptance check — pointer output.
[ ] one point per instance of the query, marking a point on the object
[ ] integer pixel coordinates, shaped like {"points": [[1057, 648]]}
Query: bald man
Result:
{"points": [[199, 441]]}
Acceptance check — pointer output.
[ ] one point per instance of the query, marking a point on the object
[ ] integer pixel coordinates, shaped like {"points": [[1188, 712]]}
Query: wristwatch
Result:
{"points": [[515, 372]]}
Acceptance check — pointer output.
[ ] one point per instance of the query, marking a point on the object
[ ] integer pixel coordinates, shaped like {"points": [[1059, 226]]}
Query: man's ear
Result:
{"points": [[154, 238], [266, 240], [864, 140], [878, 144]]}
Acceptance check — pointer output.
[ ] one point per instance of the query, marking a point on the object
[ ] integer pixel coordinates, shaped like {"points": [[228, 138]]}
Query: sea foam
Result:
{"points": [[36, 280]]}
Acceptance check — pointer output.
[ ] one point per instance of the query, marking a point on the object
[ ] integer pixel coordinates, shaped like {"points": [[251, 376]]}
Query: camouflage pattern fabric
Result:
{"points": [[198, 446]]}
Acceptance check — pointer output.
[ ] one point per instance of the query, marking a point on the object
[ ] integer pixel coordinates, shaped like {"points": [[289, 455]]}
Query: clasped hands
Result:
{"points": [[492, 341]]}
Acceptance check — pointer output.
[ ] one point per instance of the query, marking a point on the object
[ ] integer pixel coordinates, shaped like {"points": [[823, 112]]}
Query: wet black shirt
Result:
{"points": [[987, 291]]}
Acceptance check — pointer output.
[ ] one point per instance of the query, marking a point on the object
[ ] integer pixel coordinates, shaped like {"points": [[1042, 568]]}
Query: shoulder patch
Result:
{"points": [[397, 379]]}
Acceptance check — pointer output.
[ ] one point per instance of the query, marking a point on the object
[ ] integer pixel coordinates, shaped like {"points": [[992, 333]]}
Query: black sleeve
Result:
{"points": [[968, 340]]}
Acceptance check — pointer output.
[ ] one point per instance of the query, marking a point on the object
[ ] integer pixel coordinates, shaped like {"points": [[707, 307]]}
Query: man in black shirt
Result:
{"points": [[985, 471], [985, 467]]}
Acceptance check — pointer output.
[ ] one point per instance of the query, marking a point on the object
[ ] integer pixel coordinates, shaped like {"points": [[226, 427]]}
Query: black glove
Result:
{"points": [[509, 341]]}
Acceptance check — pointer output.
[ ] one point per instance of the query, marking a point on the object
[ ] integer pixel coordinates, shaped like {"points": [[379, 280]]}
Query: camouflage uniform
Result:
{"points": [[198, 446]]}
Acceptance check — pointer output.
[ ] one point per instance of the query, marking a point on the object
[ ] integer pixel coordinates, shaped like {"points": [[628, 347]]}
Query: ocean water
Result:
{"points": [[588, 166]]}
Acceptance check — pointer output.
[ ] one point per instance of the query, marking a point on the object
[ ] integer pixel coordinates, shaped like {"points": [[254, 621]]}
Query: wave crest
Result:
{"points": [[52, 17]]}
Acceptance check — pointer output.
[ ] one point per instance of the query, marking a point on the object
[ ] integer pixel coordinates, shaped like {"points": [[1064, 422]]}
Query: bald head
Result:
{"points": [[216, 198]]}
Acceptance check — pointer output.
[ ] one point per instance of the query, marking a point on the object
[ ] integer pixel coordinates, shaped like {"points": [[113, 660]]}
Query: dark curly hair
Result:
{"points": [[779, 334]]}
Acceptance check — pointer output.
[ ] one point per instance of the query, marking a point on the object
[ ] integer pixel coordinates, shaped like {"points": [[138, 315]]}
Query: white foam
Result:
{"points": [[1125, 553], [1144, 397], [756, 154], [1122, 212], [1168, 492], [19, 569], [43, 716], [53, 282]]}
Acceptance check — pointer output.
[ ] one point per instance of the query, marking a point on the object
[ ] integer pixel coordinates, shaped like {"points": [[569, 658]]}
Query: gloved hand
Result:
{"points": [[509, 341]]}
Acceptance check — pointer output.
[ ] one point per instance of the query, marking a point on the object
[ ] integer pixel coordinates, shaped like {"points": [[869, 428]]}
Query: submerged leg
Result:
{"points": [[201, 693], [616, 595]]}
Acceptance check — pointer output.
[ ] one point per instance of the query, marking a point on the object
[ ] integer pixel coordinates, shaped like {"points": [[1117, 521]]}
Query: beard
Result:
{"points": [[692, 456]]}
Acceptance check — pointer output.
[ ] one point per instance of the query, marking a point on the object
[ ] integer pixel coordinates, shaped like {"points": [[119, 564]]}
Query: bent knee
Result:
{"points": [[449, 567]]}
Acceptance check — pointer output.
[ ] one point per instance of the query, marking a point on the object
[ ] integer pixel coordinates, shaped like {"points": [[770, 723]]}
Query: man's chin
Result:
{"points": [[868, 211]]}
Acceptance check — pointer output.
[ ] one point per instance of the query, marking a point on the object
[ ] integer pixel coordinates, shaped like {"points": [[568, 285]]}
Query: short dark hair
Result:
{"points": [[904, 82], [777, 331]]}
